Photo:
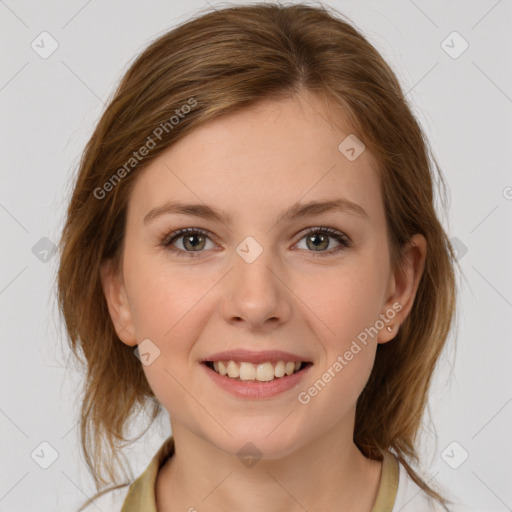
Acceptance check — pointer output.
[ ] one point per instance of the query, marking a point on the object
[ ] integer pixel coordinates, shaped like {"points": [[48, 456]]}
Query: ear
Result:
{"points": [[403, 285], [117, 302]]}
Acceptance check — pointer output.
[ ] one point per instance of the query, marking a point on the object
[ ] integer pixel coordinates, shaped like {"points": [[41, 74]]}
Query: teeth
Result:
{"points": [[263, 372], [248, 372], [279, 370], [233, 370], [222, 368]]}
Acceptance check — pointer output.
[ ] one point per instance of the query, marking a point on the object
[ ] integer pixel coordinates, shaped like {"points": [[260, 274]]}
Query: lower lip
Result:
{"points": [[256, 389]]}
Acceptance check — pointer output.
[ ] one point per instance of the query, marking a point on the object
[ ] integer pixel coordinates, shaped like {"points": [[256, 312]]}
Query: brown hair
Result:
{"points": [[221, 62]]}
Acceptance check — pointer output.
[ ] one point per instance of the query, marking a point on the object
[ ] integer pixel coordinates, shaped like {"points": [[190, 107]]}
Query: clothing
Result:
{"points": [[397, 492]]}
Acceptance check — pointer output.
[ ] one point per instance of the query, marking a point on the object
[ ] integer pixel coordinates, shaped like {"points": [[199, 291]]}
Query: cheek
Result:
{"points": [[168, 308], [344, 316], [347, 300], [162, 297], [346, 307]]}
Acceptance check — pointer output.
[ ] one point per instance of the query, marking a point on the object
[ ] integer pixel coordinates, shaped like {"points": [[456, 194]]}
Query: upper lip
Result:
{"points": [[240, 355]]}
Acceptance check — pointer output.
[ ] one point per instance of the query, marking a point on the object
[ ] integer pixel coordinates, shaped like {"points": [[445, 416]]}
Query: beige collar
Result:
{"points": [[141, 494]]}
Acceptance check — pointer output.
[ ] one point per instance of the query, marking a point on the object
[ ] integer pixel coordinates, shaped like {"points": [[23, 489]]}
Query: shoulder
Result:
{"points": [[137, 495], [110, 501], [410, 497]]}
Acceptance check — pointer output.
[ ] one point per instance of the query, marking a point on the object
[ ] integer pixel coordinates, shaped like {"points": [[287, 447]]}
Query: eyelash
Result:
{"points": [[343, 240]]}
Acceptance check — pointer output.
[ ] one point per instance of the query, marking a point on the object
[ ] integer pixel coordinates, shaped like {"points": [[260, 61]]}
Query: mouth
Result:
{"points": [[263, 372]]}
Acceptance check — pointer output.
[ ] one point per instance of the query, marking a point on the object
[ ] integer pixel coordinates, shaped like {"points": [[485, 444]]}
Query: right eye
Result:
{"points": [[192, 241]]}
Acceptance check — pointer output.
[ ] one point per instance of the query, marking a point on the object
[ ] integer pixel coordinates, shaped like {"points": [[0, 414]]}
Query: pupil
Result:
{"points": [[318, 239], [191, 237]]}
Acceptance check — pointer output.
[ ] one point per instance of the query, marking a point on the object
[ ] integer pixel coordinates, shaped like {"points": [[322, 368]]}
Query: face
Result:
{"points": [[317, 285]]}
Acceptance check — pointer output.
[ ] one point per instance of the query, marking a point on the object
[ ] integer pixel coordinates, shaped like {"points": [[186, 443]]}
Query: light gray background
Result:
{"points": [[49, 108]]}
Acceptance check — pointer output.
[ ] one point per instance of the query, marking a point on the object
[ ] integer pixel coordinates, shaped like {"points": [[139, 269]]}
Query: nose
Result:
{"points": [[256, 292]]}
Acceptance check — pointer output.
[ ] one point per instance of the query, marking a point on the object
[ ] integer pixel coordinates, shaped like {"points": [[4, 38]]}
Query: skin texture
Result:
{"points": [[254, 164]]}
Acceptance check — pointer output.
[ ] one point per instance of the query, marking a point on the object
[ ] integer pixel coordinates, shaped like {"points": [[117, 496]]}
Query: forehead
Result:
{"points": [[263, 158]]}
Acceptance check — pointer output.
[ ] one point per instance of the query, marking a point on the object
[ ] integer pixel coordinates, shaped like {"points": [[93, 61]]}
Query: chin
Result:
{"points": [[258, 442]]}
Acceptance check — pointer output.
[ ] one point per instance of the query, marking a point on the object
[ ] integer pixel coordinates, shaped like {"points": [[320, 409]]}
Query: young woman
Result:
{"points": [[252, 246]]}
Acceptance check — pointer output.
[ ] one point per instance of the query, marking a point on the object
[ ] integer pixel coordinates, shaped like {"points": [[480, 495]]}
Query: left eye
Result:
{"points": [[319, 237], [189, 236], [193, 241]]}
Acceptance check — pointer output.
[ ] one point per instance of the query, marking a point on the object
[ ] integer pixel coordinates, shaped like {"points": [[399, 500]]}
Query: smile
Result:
{"points": [[262, 372]]}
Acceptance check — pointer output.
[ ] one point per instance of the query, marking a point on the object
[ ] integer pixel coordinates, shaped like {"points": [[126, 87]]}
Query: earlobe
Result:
{"points": [[117, 303], [403, 286], [390, 331]]}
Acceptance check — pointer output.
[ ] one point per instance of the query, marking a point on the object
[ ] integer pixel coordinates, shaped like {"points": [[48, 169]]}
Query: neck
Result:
{"points": [[328, 473]]}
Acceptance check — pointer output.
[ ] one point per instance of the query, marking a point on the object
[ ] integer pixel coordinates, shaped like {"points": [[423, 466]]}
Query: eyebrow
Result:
{"points": [[296, 211]]}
